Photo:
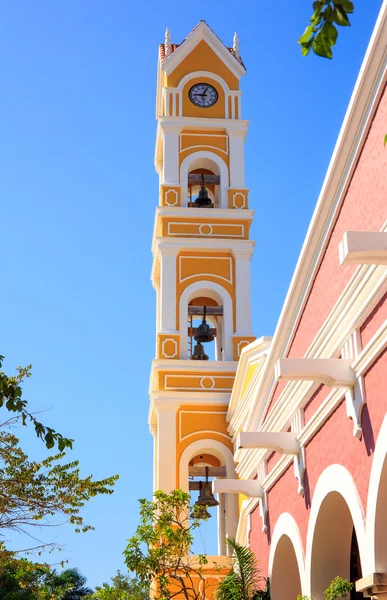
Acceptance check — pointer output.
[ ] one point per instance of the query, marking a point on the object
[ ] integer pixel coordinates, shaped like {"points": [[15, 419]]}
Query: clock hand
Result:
{"points": [[204, 93]]}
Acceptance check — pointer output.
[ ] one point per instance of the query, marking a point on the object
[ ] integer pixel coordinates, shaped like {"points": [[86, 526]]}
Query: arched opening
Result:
{"points": [[201, 461], [216, 177], [335, 549], [219, 316], [380, 524], [285, 578], [202, 310]]}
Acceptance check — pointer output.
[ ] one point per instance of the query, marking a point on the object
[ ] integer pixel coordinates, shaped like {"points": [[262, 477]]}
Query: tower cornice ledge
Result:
{"points": [[164, 246], [167, 124]]}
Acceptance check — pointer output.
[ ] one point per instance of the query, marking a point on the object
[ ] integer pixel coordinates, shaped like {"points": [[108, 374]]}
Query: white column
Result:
{"points": [[243, 293], [171, 135], [166, 451], [168, 257], [231, 515], [221, 525], [236, 140]]}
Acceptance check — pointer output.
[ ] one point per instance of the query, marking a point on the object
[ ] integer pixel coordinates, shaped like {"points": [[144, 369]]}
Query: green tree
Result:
{"points": [[160, 551], [123, 587], [321, 33], [70, 584], [33, 493], [243, 581], [21, 579], [11, 398]]}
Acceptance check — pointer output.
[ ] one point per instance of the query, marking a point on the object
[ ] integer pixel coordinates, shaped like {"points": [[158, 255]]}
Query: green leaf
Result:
{"points": [[306, 46], [347, 6], [317, 6], [330, 33], [321, 47], [49, 440], [306, 35], [341, 17], [385, 140], [329, 14]]}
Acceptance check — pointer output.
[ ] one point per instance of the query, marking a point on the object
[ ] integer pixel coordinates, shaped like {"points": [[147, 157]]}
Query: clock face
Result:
{"points": [[203, 95]]}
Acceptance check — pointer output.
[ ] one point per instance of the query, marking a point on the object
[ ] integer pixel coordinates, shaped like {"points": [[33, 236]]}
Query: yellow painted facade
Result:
{"points": [[201, 259], [202, 58]]}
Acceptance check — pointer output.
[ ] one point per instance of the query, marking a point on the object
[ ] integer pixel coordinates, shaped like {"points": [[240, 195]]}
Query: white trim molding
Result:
{"points": [[336, 478], [281, 441], [286, 525], [249, 487], [363, 248], [333, 372]]}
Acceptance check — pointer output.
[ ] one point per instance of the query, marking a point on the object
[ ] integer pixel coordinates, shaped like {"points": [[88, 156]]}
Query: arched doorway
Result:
{"points": [[335, 549], [285, 577], [380, 524]]}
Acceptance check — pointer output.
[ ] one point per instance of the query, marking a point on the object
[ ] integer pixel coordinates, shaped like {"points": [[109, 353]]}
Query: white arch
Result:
{"points": [[220, 451], [286, 525], [336, 478], [200, 159], [210, 75], [218, 293], [378, 462]]}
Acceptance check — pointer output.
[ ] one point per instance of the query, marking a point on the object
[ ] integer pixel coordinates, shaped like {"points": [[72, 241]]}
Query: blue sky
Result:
{"points": [[78, 193]]}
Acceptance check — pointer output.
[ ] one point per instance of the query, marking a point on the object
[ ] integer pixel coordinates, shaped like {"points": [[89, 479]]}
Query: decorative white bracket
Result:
{"points": [[284, 442], [263, 512], [355, 396], [363, 248], [333, 372], [249, 487], [281, 441]]}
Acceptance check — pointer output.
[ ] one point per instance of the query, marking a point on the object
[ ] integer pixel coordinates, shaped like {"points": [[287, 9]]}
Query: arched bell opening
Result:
{"points": [[215, 171], [335, 549], [285, 578], [205, 329], [202, 469], [203, 188], [219, 459]]}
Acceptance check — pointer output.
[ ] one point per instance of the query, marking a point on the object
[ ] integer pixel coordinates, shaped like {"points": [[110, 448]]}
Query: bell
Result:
{"points": [[206, 497], [203, 200], [204, 334], [199, 353]]}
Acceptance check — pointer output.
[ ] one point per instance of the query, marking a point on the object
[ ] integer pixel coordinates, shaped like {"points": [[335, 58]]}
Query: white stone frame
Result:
{"points": [[336, 478], [378, 462], [219, 294], [287, 525], [198, 160], [220, 451]]}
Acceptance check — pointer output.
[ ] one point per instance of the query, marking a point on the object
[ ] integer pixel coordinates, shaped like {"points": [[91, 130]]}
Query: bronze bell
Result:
{"points": [[199, 353], [203, 200], [204, 334], [206, 497]]}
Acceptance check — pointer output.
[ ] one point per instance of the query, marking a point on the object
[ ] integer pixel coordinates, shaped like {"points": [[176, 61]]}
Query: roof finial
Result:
{"points": [[236, 46], [168, 48]]}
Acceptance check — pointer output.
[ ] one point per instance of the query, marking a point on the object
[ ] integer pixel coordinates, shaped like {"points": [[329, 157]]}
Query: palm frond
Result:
{"points": [[243, 580]]}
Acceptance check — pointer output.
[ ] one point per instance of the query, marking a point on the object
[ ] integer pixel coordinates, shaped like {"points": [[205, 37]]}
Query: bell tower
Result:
{"points": [[201, 264]]}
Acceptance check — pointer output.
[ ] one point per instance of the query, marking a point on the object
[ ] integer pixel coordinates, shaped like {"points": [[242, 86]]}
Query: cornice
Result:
{"points": [[162, 245], [231, 125], [229, 214]]}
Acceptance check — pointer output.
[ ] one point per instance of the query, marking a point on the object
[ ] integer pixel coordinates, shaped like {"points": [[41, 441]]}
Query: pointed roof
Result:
{"points": [[200, 31]]}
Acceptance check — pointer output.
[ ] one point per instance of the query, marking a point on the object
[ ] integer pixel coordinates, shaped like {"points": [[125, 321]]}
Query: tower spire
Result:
{"points": [[236, 46], [168, 48]]}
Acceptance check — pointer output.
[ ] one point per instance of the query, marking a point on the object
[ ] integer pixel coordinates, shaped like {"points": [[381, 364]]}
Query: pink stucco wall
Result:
{"points": [[364, 208], [333, 444]]}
